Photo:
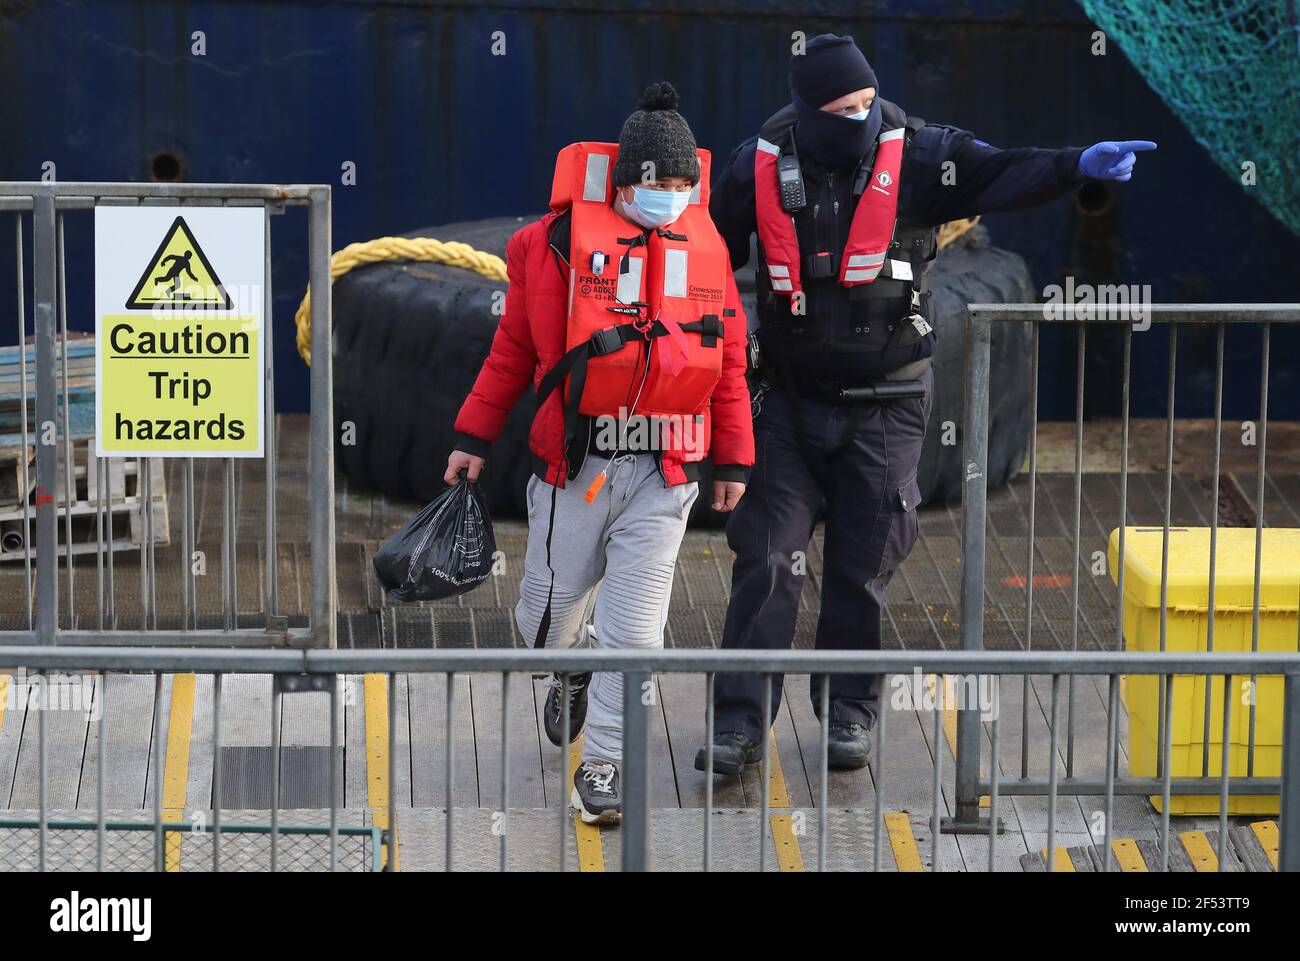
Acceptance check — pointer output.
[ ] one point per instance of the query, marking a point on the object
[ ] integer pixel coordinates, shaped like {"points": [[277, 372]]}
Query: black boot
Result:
{"points": [[552, 715], [847, 746], [731, 752]]}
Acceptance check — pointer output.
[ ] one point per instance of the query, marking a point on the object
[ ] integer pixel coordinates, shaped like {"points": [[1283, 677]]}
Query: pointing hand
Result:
{"points": [[1112, 159]]}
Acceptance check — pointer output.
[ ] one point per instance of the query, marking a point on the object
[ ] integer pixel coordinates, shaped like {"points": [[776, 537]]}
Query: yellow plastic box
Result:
{"points": [[1186, 625]]}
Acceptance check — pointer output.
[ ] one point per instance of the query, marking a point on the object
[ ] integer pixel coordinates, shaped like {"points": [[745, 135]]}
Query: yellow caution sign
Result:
{"points": [[179, 359], [179, 275]]}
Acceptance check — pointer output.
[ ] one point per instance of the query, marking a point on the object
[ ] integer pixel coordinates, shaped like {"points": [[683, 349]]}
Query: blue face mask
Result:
{"points": [[863, 115], [656, 208]]}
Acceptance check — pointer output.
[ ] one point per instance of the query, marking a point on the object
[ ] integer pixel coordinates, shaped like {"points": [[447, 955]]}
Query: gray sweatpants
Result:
{"points": [[626, 542]]}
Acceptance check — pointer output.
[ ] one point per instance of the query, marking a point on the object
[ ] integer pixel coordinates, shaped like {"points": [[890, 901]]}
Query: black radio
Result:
{"points": [[790, 181]]}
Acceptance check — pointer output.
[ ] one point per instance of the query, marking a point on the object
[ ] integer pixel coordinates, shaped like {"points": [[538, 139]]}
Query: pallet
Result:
{"points": [[125, 523], [80, 393]]}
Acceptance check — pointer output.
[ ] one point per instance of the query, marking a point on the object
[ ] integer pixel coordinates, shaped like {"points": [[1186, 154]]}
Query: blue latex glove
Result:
{"points": [[1112, 159]]}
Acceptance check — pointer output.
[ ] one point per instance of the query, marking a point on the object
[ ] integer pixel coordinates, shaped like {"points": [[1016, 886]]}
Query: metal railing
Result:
{"points": [[46, 623], [970, 784], [319, 670]]}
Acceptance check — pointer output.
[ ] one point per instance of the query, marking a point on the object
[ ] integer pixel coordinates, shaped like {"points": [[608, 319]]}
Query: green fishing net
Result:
{"points": [[1230, 70]]}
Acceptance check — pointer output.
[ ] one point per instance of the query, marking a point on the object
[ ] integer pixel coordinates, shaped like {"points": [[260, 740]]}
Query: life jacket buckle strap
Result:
{"points": [[605, 341], [824, 263]]}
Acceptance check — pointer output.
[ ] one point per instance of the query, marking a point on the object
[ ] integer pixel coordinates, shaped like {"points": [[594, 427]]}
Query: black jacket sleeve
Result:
{"points": [[950, 175], [731, 202], [731, 472]]}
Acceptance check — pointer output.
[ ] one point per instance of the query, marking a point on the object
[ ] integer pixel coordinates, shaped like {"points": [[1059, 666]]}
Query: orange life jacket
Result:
{"points": [[645, 313]]}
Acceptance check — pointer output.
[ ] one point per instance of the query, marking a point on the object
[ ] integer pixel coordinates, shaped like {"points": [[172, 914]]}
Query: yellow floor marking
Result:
{"points": [[1127, 855], [906, 855], [1198, 849], [176, 769], [788, 855], [950, 731], [591, 850], [377, 786], [1060, 862], [4, 697], [777, 795], [1266, 834]]}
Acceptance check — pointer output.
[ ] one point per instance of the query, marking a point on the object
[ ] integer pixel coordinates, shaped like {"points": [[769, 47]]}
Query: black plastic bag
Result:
{"points": [[444, 550]]}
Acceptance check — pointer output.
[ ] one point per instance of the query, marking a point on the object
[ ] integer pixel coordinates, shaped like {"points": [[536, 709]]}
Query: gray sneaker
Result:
{"points": [[595, 793]]}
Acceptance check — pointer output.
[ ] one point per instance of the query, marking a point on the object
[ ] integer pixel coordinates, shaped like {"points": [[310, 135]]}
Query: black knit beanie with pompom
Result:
{"points": [[658, 134]]}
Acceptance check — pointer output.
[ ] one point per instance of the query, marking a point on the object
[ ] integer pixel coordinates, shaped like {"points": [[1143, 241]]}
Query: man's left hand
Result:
{"points": [[726, 495], [1112, 159]]}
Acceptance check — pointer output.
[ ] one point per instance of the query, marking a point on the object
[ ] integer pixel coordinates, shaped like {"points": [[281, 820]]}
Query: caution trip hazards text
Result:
{"points": [[179, 304]]}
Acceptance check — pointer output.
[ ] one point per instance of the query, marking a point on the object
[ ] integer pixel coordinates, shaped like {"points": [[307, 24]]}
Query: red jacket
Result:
{"points": [[530, 340]]}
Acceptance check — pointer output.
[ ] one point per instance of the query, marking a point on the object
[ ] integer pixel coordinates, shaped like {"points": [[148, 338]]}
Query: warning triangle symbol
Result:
{"points": [[179, 276]]}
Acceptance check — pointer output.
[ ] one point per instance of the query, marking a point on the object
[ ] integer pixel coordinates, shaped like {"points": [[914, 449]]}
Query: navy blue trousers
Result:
{"points": [[859, 461]]}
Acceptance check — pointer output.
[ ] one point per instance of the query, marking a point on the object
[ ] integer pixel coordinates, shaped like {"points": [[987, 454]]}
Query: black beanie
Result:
{"points": [[658, 134], [829, 67]]}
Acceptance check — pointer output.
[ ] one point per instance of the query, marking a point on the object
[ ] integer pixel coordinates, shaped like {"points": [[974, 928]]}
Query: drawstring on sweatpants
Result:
{"points": [[618, 461]]}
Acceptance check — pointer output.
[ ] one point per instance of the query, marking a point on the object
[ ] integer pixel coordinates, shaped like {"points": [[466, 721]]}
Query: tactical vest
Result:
{"points": [[883, 264]]}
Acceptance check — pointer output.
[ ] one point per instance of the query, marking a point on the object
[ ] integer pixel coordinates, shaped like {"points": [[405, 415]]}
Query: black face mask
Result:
{"points": [[832, 140]]}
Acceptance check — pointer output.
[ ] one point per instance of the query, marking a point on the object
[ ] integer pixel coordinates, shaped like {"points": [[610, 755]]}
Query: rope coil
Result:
{"points": [[451, 253]]}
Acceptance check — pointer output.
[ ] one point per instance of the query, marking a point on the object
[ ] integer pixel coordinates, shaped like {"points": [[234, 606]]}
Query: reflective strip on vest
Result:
{"points": [[695, 193], [779, 276], [863, 268], [861, 276], [595, 178], [629, 284], [866, 260], [674, 273]]}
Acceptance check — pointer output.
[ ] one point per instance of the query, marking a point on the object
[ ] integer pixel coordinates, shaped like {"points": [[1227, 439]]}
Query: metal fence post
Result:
{"points": [[636, 779], [974, 490], [320, 462], [1288, 847], [45, 276]]}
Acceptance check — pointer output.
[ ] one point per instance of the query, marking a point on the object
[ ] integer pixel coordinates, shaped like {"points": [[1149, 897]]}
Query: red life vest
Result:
{"points": [[645, 309], [873, 221]]}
